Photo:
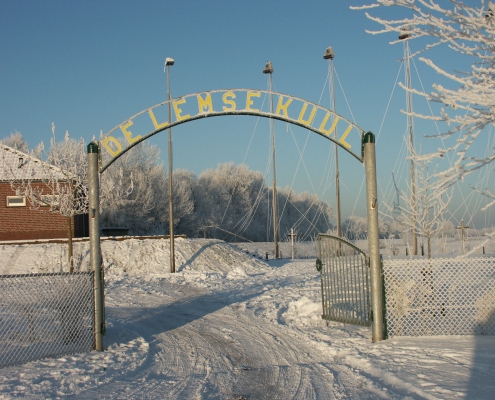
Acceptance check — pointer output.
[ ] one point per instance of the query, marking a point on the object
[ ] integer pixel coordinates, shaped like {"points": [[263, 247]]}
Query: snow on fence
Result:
{"points": [[440, 296], [45, 315]]}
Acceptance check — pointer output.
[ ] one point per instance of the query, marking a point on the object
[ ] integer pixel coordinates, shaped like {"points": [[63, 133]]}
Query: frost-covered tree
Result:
{"points": [[355, 227], [304, 212], [469, 101], [425, 214], [62, 185], [384, 229], [16, 141], [444, 231], [133, 191], [183, 184], [225, 197], [236, 199]]}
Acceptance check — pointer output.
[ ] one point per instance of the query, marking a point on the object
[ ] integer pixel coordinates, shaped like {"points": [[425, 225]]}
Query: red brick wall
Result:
{"points": [[19, 223]]}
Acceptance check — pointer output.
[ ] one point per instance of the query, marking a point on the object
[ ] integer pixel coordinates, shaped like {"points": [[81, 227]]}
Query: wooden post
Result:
{"points": [[462, 228]]}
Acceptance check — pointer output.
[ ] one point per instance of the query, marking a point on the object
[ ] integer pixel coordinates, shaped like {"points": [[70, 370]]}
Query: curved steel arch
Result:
{"points": [[214, 103], [205, 106]]}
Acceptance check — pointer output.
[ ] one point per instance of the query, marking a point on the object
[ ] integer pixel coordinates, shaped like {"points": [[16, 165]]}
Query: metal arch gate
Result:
{"points": [[228, 102], [345, 277]]}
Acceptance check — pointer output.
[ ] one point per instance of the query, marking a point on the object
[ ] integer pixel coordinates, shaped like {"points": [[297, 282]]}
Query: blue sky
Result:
{"points": [[89, 65]]}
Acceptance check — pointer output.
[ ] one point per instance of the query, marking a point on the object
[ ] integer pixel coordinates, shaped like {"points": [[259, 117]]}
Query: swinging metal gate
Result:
{"points": [[345, 277]]}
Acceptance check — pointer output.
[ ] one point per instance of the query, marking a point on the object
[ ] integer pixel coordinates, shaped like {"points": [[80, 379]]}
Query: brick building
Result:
{"points": [[19, 220]]}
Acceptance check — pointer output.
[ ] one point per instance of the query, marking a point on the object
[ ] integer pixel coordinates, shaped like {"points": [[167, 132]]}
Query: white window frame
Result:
{"points": [[16, 204]]}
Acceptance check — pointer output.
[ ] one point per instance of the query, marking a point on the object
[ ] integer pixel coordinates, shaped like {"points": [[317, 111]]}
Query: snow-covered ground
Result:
{"points": [[229, 326]]}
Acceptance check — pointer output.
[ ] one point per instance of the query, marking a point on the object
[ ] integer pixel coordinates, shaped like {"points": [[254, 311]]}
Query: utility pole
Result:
{"points": [[168, 62], [330, 55], [269, 70], [407, 58], [462, 228]]}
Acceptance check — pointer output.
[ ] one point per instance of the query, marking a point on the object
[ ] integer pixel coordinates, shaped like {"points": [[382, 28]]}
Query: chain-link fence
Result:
{"points": [[440, 296], [45, 315]]}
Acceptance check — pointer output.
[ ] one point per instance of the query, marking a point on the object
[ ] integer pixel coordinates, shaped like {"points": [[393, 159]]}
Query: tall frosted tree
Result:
{"points": [[16, 141], [226, 196], [133, 190], [236, 199], [135, 193], [183, 184], [468, 98], [62, 185]]}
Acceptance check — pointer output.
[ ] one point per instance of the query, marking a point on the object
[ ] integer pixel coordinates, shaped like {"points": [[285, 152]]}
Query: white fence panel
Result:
{"points": [[440, 296], [45, 315]]}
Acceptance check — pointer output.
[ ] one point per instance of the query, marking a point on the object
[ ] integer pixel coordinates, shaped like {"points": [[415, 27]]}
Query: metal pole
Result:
{"points": [[373, 238], [330, 55], [269, 70], [168, 63], [94, 240], [407, 58]]}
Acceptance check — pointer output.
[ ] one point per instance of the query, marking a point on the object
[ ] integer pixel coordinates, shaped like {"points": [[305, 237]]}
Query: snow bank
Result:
{"points": [[229, 326], [132, 256]]}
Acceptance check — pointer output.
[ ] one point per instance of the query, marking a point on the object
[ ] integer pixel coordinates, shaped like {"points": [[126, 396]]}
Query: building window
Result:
{"points": [[16, 201]]}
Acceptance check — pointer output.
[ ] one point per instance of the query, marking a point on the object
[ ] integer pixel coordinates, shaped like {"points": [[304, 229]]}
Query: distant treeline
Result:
{"points": [[231, 198]]}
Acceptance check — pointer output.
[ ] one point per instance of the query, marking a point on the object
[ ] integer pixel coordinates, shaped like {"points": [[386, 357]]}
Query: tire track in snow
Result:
{"points": [[293, 368], [206, 346], [217, 356], [189, 370]]}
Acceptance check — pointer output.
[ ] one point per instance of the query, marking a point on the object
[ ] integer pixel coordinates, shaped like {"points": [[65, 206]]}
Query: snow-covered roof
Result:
{"points": [[16, 165]]}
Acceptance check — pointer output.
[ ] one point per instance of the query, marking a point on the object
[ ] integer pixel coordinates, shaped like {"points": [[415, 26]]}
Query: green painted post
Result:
{"points": [[373, 238], [94, 240]]}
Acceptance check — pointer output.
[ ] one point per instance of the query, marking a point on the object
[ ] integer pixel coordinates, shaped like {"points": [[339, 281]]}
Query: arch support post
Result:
{"points": [[94, 240], [373, 238]]}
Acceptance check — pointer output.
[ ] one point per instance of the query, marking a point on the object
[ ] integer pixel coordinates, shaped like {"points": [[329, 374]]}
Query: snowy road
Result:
{"points": [[227, 326], [212, 345]]}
